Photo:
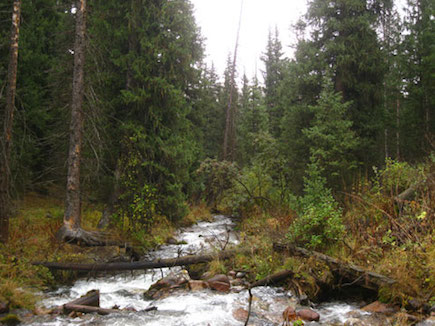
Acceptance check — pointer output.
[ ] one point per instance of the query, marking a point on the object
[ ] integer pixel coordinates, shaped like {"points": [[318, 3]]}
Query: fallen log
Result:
{"points": [[273, 279], [357, 275], [92, 298], [138, 265], [88, 309]]}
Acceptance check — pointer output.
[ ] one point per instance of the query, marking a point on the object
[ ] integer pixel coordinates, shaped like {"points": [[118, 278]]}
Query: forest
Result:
{"points": [[115, 129]]}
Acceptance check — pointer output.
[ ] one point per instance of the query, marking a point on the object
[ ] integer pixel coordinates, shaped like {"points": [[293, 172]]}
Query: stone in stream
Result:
{"points": [[220, 283], [308, 315], [240, 314], [167, 285], [380, 307], [197, 285]]}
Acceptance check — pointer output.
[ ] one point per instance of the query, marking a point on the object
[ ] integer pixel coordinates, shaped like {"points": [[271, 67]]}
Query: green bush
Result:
{"points": [[319, 222]]}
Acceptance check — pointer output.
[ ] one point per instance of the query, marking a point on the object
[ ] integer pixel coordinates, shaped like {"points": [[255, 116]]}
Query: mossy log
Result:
{"points": [[354, 274], [139, 265]]}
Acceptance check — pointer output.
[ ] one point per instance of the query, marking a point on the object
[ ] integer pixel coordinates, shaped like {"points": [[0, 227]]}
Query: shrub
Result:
{"points": [[319, 222]]}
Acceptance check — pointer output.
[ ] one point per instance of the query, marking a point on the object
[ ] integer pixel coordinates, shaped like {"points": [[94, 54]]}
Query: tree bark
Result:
{"points": [[6, 141], [139, 265], [72, 215]]}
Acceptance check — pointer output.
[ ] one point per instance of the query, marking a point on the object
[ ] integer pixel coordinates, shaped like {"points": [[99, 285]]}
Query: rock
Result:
{"points": [[379, 307], [220, 278], [171, 241], [308, 315], [220, 283], [195, 285], [10, 320], [241, 275], [289, 314], [165, 286], [240, 314], [4, 307], [354, 322], [232, 274], [237, 282], [219, 286]]}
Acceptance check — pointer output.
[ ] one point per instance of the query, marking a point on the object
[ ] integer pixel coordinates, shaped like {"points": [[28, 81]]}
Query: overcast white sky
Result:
{"points": [[219, 19]]}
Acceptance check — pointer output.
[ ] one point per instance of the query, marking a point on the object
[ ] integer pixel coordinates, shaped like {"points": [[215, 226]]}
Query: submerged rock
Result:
{"points": [[240, 314]]}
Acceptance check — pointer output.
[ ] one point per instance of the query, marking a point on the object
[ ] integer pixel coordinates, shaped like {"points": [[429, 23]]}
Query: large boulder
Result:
{"points": [[167, 285], [220, 283]]}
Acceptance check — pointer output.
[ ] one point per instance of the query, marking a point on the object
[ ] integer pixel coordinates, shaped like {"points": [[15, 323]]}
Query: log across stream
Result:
{"points": [[125, 290]]}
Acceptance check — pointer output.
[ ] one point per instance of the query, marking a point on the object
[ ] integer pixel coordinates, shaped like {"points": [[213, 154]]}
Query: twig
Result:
{"points": [[250, 306]]}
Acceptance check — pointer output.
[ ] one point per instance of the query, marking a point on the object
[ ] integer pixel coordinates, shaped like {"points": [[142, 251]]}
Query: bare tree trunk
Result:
{"points": [[398, 130], [229, 135], [6, 141], [72, 215]]}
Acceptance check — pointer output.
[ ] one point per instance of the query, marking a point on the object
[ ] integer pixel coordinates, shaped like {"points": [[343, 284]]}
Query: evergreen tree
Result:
{"points": [[419, 66], [273, 62], [331, 140], [344, 38], [151, 69], [253, 122]]}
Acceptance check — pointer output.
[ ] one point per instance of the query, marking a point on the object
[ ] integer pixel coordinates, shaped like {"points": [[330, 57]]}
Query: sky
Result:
{"points": [[219, 19]]}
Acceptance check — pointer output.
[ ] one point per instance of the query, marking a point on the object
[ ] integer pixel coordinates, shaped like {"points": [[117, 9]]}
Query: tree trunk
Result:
{"points": [[72, 215], [6, 141], [229, 135], [139, 265]]}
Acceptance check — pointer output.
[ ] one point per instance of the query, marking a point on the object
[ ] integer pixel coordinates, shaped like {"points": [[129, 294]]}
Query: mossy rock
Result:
{"points": [[10, 320]]}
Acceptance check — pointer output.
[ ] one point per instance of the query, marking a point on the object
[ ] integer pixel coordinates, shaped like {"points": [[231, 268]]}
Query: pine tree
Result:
{"points": [[332, 142], [273, 62], [419, 73]]}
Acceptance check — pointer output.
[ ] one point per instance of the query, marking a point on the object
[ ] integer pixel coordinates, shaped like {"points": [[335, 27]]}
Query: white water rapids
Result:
{"points": [[184, 308]]}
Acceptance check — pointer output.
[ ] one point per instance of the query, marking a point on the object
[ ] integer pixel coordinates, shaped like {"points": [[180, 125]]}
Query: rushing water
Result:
{"points": [[184, 308]]}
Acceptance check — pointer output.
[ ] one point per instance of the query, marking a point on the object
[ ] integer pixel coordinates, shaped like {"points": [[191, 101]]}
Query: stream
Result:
{"points": [[186, 308]]}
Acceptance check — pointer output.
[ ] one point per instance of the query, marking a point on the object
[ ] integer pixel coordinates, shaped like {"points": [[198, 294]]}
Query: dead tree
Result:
{"points": [[229, 134], [6, 140], [71, 230]]}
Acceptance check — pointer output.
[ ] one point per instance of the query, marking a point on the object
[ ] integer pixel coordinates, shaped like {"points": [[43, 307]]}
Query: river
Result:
{"points": [[186, 308]]}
